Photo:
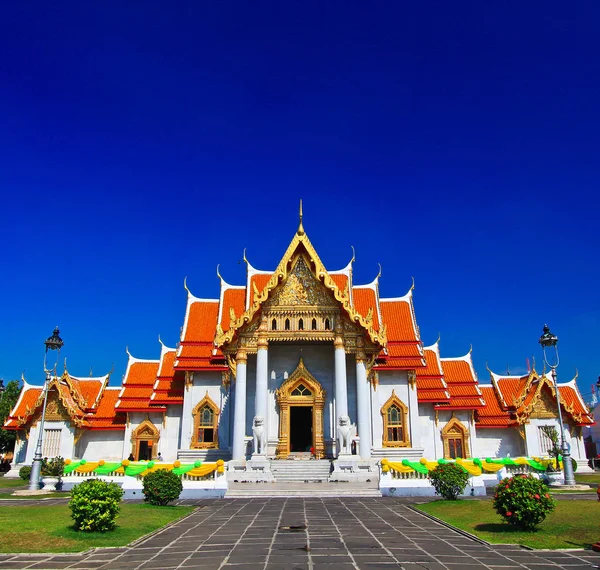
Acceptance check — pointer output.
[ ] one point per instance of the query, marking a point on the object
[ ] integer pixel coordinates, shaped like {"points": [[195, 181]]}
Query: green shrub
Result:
{"points": [[95, 505], [161, 487], [448, 480], [25, 472], [54, 467], [523, 501]]}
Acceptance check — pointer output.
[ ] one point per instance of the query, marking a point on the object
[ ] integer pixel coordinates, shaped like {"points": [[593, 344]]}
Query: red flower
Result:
{"points": [[508, 514], [547, 496], [537, 496]]}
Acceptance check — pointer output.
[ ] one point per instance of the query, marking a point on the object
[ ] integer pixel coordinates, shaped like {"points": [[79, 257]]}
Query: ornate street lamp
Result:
{"points": [[53, 342], [549, 340]]}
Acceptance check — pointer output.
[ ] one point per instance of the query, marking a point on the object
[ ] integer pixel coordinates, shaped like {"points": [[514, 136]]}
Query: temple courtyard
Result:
{"points": [[306, 533]]}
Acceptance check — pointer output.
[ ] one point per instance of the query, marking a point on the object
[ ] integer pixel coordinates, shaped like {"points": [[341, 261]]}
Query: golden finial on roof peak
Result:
{"points": [[300, 231]]}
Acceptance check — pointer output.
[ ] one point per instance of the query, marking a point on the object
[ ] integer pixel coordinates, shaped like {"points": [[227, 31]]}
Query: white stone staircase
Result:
{"points": [[288, 490], [301, 471], [204, 455]]}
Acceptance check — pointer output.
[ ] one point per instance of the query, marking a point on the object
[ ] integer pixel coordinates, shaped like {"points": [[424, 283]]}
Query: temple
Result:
{"points": [[298, 363]]}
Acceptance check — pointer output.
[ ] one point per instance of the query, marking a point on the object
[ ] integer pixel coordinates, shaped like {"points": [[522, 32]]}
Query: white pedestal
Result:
{"points": [[351, 468]]}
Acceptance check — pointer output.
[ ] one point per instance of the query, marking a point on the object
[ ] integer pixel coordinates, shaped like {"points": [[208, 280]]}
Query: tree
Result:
{"points": [[551, 433], [7, 403]]}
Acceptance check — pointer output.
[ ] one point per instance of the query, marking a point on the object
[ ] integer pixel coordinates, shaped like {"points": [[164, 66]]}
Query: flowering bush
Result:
{"points": [[523, 501], [448, 480], [161, 487], [95, 505]]}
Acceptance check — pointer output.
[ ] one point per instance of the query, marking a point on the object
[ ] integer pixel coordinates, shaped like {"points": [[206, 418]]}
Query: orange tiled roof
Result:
{"points": [[462, 384], [260, 280], [168, 388], [197, 345], [493, 415], [138, 386], [24, 408], [365, 299], [106, 417], [574, 404], [397, 317], [86, 390], [202, 321], [232, 299], [341, 280]]}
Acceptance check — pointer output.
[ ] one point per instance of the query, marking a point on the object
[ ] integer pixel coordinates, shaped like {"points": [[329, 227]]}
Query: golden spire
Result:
{"points": [[300, 231]]}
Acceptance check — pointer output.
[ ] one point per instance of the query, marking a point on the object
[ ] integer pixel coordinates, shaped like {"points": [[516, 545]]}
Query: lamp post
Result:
{"points": [[53, 342], [548, 340]]}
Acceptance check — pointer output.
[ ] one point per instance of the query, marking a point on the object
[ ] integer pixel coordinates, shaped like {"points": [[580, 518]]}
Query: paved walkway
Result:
{"points": [[299, 534]]}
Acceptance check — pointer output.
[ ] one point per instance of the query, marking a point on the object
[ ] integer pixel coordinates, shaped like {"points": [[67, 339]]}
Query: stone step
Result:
{"points": [[288, 489], [250, 494], [301, 471]]}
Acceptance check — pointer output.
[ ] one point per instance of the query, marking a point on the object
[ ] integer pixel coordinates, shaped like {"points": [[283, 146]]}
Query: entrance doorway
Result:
{"points": [[144, 451], [301, 428]]}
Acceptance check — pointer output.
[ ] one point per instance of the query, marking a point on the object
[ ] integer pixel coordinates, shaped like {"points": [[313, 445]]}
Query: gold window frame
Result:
{"points": [[394, 400], [195, 444], [455, 429]]}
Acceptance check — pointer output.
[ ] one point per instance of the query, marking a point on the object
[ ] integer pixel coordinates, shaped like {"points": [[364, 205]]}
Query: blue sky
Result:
{"points": [[454, 142]]}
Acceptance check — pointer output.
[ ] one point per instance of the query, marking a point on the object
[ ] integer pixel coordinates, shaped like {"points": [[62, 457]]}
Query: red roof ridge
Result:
{"points": [[191, 299]]}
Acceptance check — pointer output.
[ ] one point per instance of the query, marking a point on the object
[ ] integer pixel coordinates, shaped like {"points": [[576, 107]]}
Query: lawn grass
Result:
{"points": [[587, 478], [573, 524], [49, 528], [12, 482]]}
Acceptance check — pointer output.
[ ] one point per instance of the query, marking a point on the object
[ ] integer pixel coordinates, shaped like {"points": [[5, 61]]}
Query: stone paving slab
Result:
{"points": [[308, 533]]}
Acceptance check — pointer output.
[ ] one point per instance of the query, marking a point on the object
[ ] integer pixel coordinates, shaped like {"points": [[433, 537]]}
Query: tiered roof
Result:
{"points": [[138, 384], [463, 385], [82, 398], [168, 387], [512, 399], [431, 386]]}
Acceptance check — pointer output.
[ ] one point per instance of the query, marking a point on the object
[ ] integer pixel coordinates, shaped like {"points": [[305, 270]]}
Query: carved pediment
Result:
{"points": [[301, 289], [544, 407]]}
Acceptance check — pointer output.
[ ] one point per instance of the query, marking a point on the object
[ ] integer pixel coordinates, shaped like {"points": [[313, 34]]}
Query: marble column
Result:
{"points": [[362, 404], [239, 413], [341, 385], [262, 377]]}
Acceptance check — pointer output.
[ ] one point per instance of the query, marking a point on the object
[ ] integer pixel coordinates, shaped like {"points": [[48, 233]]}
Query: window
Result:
{"points": [[395, 430], [274, 325], [300, 325], [301, 390], [327, 326], [51, 442], [455, 447], [545, 442], [287, 324], [456, 440], [206, 421], [206, 430], [395, 433], [314, 324]]}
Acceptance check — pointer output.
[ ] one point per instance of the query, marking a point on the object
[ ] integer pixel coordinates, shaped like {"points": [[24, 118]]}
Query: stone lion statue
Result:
{"points": [[344, 434], [258, 435]]}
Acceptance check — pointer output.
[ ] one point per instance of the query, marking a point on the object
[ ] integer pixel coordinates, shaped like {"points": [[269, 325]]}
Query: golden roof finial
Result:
{"points": [[353, 255], [300, 231], [412, 287]]}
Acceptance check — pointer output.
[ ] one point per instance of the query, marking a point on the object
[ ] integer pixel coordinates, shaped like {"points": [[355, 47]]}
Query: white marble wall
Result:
{"points": [[96, 445], [67, 439], [498, 442], [202, 383], [393, 381], [170, 433]]}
